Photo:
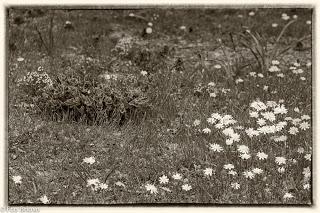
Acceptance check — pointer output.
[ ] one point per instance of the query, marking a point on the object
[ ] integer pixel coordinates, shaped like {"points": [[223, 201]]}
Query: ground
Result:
{"points": [[160, 106]]}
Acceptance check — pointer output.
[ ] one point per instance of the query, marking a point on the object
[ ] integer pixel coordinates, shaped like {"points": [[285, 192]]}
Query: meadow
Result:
{"points": [[159, 106]]}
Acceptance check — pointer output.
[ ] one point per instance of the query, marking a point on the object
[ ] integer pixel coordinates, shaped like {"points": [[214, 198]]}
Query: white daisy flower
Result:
{"points": [[300, 150], [288, 196], [151, 188], [44, 199], [216, 147], [262, 155], [208, 171], [163, 179], [232, 172], [196, 122], [206, 130], [248, 174], [305, 117], [280, 160], [261, 121], [293, 130], [306, 186], [308, 157], [177, 176], [257, 171], [186, 187], [235, 185], [89, 160], [304, 125], [228, 166], [243, 149], [245, 156], [269, 116], [17, 179]]}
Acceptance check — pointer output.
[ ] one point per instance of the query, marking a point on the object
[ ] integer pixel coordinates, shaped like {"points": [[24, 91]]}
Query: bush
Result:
{"points": [[71, 96]]}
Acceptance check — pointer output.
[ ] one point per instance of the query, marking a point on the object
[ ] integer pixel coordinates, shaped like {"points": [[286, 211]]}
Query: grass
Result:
{"points": [[49, 154]]}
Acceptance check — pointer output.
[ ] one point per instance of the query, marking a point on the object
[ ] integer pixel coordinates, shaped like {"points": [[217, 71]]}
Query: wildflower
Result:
{"points": [[262, 155], [292, 68], [177, 176], [211, 84], [243, 149], [286, 17], [119, 183], [288, 195], [280, 160], [293, 130], [308, 22], [308, 157], [260, 75], [94, 183], [296, 121], [251, 132], [208, 171], [269, 116], [296, 109], [144, 73], [131, 14], [280, 75], [245, 156], [89, 160], [294, 16], [288, 119], [232, 172], [265, 88], [228, 166], [239, 80], [275, 62], [217, 66], [261, 121], [235, 185], [309, 64], [213, 95], [182, 28], [186, 187], [211, 120], [229, 141], [257, 171], [306, 186], [248, 174], [216, 147], [148, 30], [302, 78], [304, 125], [274, 25], [299, 71], [251, 13], [17, 179], [258, 105], [281, 169], [300, 150], [240, 16], [216, 116], [296, 64], [166, 189], [103, 186], [306, 172], [274, 68], [305, 117], [20, 59], [44, 199], [163, 179], [150, 24], [206, 130], [254, 114], [196, 122], [151, 188], [252, 74], [280, 138]]}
